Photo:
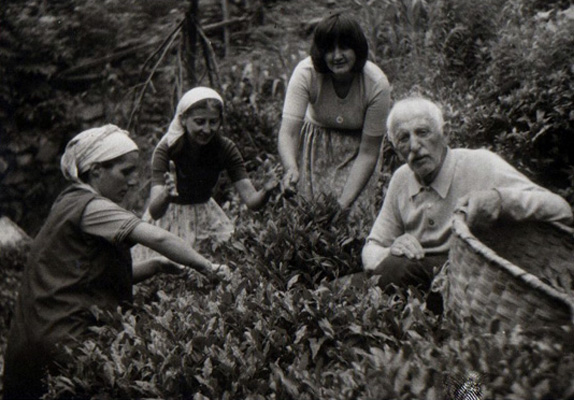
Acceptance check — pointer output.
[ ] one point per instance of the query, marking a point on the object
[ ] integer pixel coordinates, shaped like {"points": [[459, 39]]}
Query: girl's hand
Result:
{"points": [[271, 184], [171, 180], [170, 185], [271, 179]]}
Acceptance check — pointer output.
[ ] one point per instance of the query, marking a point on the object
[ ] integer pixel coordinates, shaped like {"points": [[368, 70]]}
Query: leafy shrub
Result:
{"points": [[287, 326], [249, 339], [302, 241], [290, 323], [12, 262], [523, 110]]}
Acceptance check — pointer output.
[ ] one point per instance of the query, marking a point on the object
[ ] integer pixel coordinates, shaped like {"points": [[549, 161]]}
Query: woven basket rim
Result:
{"points": [[461, 229]]}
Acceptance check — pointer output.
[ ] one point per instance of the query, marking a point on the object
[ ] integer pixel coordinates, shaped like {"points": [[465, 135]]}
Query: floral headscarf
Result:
{"points": [[92, 146], [193, 96]]}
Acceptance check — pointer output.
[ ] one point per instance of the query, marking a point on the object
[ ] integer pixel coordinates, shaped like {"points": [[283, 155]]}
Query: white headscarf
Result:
{"points": [[93, 146], [195, 95]]}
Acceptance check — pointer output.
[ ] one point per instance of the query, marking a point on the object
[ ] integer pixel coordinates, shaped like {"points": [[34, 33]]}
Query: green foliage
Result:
{"points": [[524, 108], [47, 93], [250, 340], [288, 325], [253, 109], [294, 321], [299, 241], [12, 261], [501, 70]]}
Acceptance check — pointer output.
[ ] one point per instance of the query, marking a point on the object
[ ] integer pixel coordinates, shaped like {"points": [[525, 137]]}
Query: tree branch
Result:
{"points": [[148, 80], [139, 47]]}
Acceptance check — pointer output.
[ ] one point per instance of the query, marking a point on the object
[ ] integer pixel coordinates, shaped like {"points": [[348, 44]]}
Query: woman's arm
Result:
{"points": [[106, 219], [297, 98], [374, 130], [163, 180], [288, 145], [170, 246], [148, 268], [361, 170]]}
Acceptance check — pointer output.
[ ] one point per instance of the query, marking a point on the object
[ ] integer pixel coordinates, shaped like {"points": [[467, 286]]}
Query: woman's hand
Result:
{"points": [[288, 144], [362, 170], [218, 272], [166, 266], [289, 181], [271, 184], [156, 265]]}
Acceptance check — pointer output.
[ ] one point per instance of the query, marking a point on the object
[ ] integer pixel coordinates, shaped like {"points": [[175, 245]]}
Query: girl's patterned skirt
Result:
{"points": [[192, 223]]}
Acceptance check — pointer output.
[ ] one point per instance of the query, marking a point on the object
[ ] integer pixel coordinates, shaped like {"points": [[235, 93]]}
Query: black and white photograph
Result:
{"points": [[287, 199]]}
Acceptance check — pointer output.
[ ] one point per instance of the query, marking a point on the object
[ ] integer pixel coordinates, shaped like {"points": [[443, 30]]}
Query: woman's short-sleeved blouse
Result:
{"points": [[311, 95]]}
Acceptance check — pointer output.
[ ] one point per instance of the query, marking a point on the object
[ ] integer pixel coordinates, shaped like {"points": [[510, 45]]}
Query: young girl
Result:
{"points": [[181, 201], [81, 259]]}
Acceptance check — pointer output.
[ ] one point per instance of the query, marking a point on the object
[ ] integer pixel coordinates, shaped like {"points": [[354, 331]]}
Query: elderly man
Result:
{"points": [[411, 233]]}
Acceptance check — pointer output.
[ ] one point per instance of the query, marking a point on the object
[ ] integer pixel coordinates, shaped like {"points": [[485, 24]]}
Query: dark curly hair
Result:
{"points": [[343, 30]]}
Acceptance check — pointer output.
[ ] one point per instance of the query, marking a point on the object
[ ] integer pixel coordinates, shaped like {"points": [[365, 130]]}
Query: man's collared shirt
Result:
{"points": [[426, 211]]}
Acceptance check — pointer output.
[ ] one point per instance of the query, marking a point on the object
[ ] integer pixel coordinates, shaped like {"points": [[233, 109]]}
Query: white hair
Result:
{"points": [[414, 105]]}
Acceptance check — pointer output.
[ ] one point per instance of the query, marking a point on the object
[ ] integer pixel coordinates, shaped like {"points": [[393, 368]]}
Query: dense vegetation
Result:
{"points": [[286, 325]]}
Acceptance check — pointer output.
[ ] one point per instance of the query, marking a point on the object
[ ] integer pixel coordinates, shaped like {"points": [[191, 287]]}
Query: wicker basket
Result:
{"points": [[518, 273]]}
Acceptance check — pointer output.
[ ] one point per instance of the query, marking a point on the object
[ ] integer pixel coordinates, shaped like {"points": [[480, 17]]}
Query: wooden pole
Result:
{"points": [[190, 41], [210, 59], [225, 10]]}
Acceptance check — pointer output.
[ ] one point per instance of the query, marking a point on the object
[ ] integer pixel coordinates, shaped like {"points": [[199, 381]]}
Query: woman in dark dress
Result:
{"points": [[81, 259]]}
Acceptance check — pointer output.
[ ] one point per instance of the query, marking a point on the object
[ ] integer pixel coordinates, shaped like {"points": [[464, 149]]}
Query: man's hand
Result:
{"points": [[407, 245], [481, 208]]}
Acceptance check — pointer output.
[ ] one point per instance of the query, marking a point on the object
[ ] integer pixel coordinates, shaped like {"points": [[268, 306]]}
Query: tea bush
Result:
{"points": [[528, 116], [12, 263], [289, 325], [295, 321], [501, 70]]}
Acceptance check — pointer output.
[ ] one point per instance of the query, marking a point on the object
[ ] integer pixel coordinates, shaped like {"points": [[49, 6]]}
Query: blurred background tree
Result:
{"points": [[501, 70]]}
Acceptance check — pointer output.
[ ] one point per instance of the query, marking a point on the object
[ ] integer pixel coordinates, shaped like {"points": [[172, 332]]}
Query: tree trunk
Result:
{"points": [[225, 10]]}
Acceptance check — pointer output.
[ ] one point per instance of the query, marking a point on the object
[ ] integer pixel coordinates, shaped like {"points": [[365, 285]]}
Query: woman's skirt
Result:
{"points": [[326, 157], [192, 223]]}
